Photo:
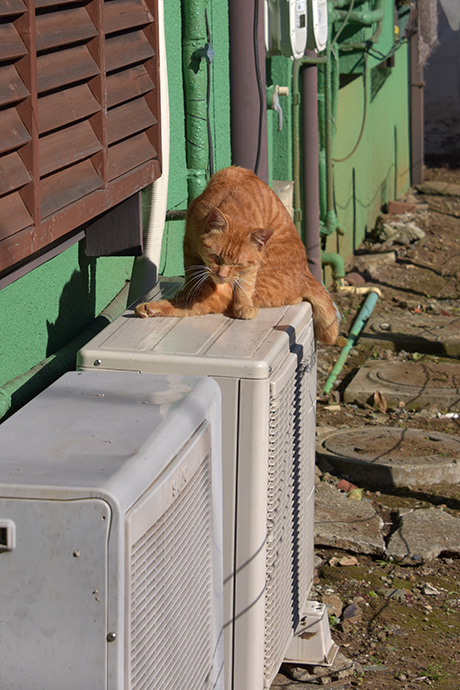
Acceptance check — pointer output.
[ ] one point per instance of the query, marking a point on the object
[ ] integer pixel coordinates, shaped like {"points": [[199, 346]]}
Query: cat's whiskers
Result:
{"points": [[196, 277], [245, 286]]}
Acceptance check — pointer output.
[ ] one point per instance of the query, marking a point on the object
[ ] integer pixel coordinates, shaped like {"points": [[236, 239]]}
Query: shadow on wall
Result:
{"points": [[77, 304], [442, 94]]}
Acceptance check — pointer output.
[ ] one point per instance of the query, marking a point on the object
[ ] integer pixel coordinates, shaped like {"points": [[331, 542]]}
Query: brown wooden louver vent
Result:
{"points": [[79, 115]]}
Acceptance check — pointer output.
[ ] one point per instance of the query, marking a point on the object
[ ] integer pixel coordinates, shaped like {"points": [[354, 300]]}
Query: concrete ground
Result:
{"points": [[387, 525]]}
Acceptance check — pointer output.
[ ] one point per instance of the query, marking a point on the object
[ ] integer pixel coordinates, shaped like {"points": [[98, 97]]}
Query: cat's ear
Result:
{"points": [[216, 221], [260, 237]]}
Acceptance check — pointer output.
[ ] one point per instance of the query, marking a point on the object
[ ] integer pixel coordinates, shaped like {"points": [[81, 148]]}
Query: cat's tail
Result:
{"points": [[325, 315]]}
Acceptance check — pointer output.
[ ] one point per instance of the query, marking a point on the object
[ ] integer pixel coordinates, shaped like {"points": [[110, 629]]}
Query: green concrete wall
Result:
{"points": [[46, 308], [379, 169], [279, 73]]}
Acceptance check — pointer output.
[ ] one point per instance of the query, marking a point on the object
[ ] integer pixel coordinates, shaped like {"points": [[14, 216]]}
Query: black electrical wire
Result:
{"points": [[208, 101]]}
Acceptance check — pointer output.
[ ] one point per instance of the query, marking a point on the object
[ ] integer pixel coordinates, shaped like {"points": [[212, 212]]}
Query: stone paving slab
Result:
{"points": [[345, 523], [416, 332], [416, 384], [388, 456], [423, 535], [336, 676], [436, 187]]}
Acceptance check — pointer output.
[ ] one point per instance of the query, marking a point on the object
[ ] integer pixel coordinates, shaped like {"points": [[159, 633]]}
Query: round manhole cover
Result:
{"points": [[395, 457], [418, 375]]}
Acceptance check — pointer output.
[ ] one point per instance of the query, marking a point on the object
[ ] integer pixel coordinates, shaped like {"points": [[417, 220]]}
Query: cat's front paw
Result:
{"points": [[147, 310], [244, 312]]}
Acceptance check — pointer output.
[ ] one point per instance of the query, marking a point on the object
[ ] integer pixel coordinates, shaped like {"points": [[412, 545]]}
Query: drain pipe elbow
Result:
{"points": [[337, 264]]}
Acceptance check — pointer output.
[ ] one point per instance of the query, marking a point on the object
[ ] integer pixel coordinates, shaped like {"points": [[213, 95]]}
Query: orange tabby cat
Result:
{"points": [[241, 252]]}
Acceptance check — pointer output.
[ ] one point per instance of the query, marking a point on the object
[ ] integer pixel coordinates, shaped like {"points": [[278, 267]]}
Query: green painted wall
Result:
{"points": [[279, 73], [46, 308], [378, 170]]}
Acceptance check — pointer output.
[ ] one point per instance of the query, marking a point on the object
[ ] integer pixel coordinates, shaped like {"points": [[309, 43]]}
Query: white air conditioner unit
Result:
{"points": [[266, 369], [110, 536]]}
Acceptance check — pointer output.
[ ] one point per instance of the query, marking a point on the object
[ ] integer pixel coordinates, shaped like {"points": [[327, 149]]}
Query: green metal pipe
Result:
{"points": [[336, 262], [336, 4], [358, 17], [355, 332], [24, 387], [195, 86]]}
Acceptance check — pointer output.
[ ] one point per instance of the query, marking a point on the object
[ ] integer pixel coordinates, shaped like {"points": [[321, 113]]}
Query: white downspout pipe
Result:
{"points": [[145, 269]]}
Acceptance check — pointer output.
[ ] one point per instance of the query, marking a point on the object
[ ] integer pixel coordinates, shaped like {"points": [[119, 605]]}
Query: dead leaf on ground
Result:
{"points": [[380, 402]]}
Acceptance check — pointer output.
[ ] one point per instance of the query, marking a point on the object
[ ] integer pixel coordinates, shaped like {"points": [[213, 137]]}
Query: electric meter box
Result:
{"points": [[286, 27], [292, 26], [317, 25]]}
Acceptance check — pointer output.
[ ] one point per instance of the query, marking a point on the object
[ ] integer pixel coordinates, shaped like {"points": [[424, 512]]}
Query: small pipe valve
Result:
{"points": [[273, 101]]}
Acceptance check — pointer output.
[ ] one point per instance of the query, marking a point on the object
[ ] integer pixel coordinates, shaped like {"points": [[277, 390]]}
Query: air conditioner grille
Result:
{"points": [[171, 576], [305, 459], [287, 543]]}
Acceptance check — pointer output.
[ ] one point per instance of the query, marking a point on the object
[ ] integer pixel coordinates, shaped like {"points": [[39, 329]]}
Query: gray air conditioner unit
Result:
{"points": [[266, 369], [110, 536]]}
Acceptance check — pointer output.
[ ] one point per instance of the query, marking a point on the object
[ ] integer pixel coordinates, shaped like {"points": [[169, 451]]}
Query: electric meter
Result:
{"points": [[286, 27], [317, 25]]}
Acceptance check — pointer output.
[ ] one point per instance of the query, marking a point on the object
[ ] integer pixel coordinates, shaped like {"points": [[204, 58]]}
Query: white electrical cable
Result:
{"points": [[145, 271], [159, 196]]}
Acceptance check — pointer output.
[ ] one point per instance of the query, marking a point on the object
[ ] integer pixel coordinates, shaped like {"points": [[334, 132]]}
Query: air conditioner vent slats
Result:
{"points": [[287, 491], [164, 586]]}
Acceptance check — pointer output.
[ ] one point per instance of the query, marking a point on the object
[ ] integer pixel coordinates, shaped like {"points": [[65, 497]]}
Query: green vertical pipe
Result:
{"points": [[195, 85], [355, 332]]}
